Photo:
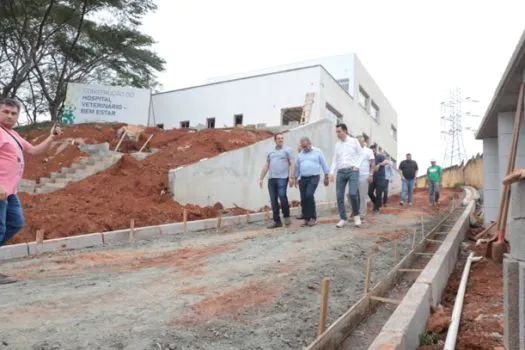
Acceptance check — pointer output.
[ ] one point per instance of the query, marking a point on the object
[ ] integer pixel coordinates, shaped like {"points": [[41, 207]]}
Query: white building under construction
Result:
{"points": [[338, 88]]}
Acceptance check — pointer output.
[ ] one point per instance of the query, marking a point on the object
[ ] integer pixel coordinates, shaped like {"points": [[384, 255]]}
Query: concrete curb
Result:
{"points": [[123, 236], [408, 321]]}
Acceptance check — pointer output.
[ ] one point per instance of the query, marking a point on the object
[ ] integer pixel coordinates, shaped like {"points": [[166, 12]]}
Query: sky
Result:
{"points": [[415, 50]]}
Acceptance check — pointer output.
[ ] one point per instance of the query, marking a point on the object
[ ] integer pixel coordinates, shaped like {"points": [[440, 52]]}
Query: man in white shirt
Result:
{"points": [[345, 165], [365, 174]]}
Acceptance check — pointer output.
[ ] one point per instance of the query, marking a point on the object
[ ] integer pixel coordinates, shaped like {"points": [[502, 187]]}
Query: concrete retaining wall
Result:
{"points": [[402, 330], [232, 178]]}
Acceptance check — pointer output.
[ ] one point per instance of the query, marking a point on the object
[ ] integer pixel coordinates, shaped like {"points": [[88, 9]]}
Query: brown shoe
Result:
{"points": [[275, 225], [4, 279]]}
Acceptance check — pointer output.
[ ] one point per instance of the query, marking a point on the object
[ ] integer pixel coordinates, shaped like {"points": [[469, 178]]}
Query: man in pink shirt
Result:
{"points": [[12, 149]]}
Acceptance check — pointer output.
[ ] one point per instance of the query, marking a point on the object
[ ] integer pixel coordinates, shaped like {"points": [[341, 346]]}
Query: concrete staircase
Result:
{"points": [[100, 159]]}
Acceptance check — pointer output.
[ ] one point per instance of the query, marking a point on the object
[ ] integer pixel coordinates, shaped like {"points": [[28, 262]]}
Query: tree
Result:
{"points": [[67, 41]]}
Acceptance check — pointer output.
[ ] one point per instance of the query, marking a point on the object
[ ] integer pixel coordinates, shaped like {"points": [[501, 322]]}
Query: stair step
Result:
{"points": [[46, 180], [55, 175], [78, 166]]}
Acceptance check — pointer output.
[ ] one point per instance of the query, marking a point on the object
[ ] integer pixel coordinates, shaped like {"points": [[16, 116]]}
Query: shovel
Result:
{"points": [[498, 246]]}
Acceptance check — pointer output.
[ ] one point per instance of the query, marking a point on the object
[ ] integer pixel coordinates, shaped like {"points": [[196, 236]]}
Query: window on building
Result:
{"points": [[210, 123], [364, 99], [237, 119], [333, 114], [345, 83], [374, 111], [185, 124], [393, 132], [291, 115]]}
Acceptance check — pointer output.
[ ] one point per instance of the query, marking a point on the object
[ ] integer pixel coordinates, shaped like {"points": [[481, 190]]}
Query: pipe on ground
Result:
{"points": [[450, 342]]}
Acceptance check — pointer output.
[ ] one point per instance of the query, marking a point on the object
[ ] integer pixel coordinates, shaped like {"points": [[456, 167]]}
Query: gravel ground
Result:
{"points": [[250, 288]]}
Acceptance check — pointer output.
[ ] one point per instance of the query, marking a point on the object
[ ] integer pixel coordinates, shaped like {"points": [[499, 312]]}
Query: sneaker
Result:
{"points": [[410, 204], [311, 222], [357, 220], [4, 279], [287, 221], [401, 203], [275, 225], [341, 224]]}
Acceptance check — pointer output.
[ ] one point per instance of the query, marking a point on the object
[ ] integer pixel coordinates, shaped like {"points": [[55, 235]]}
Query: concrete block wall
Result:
{"points": [[514, 271], [492, 185], [505, 128], [232, 178]]}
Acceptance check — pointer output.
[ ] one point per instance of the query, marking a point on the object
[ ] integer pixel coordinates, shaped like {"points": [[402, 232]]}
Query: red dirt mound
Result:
{"points": [[129, 190], [57, 157]]}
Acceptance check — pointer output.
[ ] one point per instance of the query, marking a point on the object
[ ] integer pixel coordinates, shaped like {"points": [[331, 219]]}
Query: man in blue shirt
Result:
{"points": [[375, 190], [309, 166], [280, 168]]}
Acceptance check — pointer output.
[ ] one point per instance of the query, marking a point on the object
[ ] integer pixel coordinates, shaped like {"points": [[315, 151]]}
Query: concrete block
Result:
{"points": [[522, 305], [147, 232], [75, 242], [389, 341], [55, 185], [42, 190], [64, 181], [411, 315], [517, 200], [435, 276], [54, 175], [25, 182], [171, 229], [511, 303], [14, 251], [112, 237], [46, 180], [78, 166], [66, 170], [516, 237]]}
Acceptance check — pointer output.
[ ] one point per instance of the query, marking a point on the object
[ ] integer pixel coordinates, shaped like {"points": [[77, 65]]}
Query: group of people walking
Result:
{"points": [[364, 170]]}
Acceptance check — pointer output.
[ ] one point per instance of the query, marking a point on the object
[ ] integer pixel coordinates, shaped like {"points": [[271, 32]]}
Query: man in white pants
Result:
{"points": [[365, 174]]}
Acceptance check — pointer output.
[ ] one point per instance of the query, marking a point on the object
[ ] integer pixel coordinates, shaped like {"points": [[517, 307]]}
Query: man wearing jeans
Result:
{"points": [[375, 190], [409, 171], [280, 166], [433, 182], [310, 164], [365, 175], [12, 148], [389, 175], [346, 162]]}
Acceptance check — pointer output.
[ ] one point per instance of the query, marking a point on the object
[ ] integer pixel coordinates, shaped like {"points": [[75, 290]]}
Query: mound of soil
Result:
{"points": [[130, 189]]}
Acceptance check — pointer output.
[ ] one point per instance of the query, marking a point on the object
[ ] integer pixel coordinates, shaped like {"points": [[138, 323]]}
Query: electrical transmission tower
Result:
{"points": [[452, 128]]}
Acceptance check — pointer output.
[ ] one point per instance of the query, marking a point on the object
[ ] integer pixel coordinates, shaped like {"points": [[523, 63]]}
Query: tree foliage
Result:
{"points": [[44, 44]]}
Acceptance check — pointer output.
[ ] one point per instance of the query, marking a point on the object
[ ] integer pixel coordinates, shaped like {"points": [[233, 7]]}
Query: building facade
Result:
{"points": [[338, 88], [496, 131]]}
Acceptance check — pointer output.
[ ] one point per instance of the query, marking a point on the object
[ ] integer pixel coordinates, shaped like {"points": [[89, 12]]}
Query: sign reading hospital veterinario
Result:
{"points": [[86, 103]]}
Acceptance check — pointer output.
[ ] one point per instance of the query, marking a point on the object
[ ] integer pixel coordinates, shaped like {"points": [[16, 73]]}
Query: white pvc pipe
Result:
{"points": [[450, 342]]}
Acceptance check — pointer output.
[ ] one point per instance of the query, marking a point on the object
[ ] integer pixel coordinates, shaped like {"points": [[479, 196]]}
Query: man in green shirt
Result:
{"points": [[433, 182]]}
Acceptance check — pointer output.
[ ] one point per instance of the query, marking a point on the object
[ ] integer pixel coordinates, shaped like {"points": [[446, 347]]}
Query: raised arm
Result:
{"points": [[44, 145]]}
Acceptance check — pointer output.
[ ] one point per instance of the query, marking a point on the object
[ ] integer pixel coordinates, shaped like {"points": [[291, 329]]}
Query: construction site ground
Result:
{"points": [[481, 324], [130, 189], [244, 288]]}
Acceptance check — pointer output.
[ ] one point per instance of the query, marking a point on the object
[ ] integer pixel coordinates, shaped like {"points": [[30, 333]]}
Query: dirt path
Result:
{"points": [[253, 289]]}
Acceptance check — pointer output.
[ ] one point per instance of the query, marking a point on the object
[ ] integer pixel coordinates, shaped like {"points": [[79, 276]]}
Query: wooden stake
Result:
{"points": [[367, 274], [132, 230], [248, 218], [386, 300], [395, 252], [39, 236], [267, 215], [120, 141], [185, 219], [422, 228], [219, 220], [414, 240], [324, 306]]}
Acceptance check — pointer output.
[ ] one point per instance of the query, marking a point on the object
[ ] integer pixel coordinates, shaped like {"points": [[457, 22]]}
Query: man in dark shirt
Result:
{"points": [[409, 171], [377, 186]]}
